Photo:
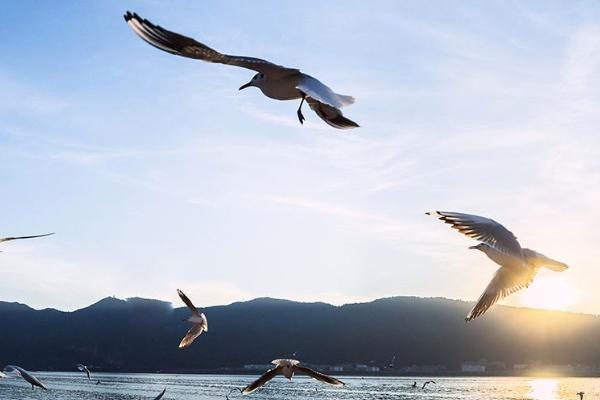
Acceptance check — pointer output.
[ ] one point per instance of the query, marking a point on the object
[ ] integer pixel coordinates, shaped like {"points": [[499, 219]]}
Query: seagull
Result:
{"points": [[161, 394], [197, 318], [2, 375], [7, 239], [414, 384], [275, 81], [518, 266], [288, 368], [25, 375], [427, 383], [580, 394], [85, 369]]}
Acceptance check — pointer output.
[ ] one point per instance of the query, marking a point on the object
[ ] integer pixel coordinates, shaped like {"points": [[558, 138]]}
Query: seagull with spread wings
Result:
{"points": [[275, 81], [85, 369], [198, 319], [518, 266], [25, 375], [288, 368], [427, 383]]}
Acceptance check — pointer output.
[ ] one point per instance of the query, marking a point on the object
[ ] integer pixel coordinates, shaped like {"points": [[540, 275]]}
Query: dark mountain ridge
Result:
{"points": [[143, 335]]}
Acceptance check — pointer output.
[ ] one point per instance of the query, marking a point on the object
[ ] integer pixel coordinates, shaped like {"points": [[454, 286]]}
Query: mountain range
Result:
{"points": [[143, 335]]}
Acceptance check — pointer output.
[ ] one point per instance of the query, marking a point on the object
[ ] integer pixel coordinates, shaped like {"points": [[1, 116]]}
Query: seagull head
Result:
{"points": [[257, 80]]}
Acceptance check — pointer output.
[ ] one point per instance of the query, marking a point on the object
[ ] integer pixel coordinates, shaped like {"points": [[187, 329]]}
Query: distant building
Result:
{"points": [[473, 367], [520, 367], [258, 367], [424, 369], [335, 368]]}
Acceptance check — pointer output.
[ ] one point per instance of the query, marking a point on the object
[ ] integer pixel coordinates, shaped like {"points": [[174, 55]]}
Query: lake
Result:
{"points": [[75, 386]]}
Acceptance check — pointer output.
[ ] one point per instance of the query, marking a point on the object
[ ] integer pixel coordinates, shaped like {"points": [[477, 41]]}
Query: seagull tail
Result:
{"points": [[346, 100]]}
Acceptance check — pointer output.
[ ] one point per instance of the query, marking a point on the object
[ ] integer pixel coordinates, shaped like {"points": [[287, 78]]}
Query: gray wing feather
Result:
{"points": [[319, 376], [184, 46], [331, 115], [161, 394], [505, 282], [188, 303], [264, 378], [192, 334], [6, 239], [485, 230]]}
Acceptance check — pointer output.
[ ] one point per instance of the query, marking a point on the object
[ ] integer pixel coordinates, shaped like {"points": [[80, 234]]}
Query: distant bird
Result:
{"points": [[7, 239], [427, 383], [275, 81], [414, 384], [391, 364], [85, 369], [580, 394], [2, 375], [518, 266], [161, 394], [288, 368], [25, 375], [98, 382], [198, 319]]}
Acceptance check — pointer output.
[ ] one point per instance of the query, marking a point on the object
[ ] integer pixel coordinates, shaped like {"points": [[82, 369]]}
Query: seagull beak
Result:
{"points": [[473, 247], [245, 86]]}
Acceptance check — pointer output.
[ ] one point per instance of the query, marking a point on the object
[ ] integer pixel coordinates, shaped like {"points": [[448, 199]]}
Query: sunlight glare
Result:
{"points": [[543, 389], [549, 292]]}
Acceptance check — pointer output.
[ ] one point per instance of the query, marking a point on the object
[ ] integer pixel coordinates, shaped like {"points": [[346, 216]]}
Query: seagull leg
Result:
{"points": [[299, 112]]}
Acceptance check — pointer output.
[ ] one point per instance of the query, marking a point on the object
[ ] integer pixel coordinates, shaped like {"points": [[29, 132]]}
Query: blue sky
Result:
{"points": [[157, 174]]}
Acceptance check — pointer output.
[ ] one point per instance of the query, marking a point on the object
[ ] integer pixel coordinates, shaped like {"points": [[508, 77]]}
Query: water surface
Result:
{"points": [[74, 386]]}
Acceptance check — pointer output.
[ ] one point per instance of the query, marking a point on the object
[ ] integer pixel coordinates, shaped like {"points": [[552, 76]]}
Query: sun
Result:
{"points": [[549, 292]]}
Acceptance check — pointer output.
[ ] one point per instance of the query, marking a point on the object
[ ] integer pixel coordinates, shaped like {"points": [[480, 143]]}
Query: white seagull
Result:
{"points": [[518, 266], [25, 375], [275, 81], [197, 318], [288, 368], [2, 375], [85, 369]]}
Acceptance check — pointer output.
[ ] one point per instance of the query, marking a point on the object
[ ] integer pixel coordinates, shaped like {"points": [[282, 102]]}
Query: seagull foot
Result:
{"points": [[301, 117]]}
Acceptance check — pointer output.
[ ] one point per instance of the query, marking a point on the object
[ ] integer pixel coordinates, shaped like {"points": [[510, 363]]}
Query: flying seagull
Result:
{"points": [[85, 369], [427, 383], [197, 318], [275, 81], [25, 375], [161, 394], [580, 394], [288, 368], [518, 266]]}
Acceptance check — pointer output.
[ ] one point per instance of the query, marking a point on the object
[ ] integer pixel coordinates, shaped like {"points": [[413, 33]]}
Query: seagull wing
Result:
{"points": [[505, 282], [483, 229], [319, 376], [331, 115], [322, 93], [192, 334], [6, 239], [539, 260], [184, 46], [161, 394], [188, 303], [264, 378]]}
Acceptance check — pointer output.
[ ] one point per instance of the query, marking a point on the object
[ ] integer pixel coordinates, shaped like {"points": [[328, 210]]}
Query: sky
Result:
{"points": [[156, 173]]}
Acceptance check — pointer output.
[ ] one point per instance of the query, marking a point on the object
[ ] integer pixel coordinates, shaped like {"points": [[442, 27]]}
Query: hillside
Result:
{"points": [[142, 335]]}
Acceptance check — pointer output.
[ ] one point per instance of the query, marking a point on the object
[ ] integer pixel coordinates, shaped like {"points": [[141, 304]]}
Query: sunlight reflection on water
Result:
{"points": [[72, 386]]}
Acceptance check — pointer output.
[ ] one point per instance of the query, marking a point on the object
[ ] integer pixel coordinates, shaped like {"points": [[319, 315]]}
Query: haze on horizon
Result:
{"points": [[156, 173]]}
